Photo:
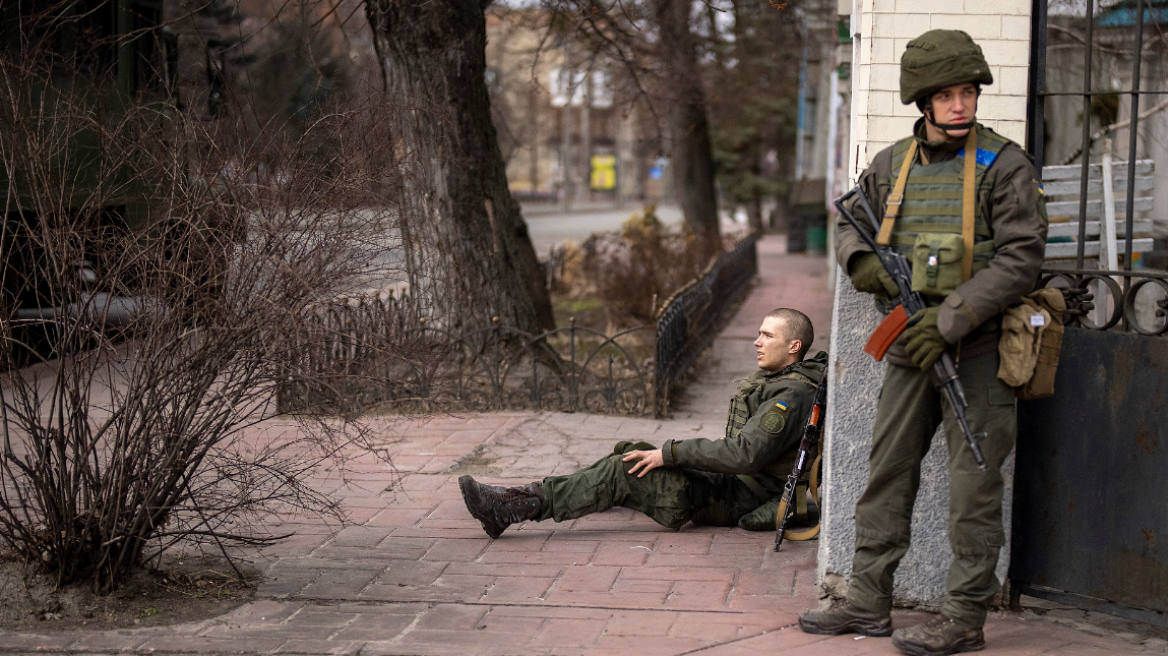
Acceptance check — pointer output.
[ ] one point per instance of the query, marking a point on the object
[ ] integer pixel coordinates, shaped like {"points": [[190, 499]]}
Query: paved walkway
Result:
{"points": [[414, 573]]}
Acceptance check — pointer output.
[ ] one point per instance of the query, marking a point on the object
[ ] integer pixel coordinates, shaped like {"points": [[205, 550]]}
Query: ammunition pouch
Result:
{"points": [[1032, 336], [937, 263]]}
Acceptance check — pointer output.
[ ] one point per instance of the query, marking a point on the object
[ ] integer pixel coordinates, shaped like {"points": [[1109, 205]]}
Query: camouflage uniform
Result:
{"points": [[715, 482], [1010, 239]]}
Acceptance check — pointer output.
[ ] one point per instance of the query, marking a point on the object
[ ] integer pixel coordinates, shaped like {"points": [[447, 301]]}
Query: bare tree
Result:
{"points": [[689, 125], [161, 301], [457, 211]]}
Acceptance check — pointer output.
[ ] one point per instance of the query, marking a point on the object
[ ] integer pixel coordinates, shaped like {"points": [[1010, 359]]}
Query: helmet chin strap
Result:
{"points": [[946, 127]]}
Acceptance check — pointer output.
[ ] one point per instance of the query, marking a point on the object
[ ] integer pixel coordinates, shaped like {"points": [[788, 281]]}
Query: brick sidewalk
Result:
{"points": [[415, 574]]}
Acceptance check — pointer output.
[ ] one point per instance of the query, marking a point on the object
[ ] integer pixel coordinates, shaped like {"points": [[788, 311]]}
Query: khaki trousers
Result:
{"points": [[911, 407], [671, 497]]}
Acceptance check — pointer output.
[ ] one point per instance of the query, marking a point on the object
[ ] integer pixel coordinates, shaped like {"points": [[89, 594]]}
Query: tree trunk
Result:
{"points": [[689, 128], [472, 256]]}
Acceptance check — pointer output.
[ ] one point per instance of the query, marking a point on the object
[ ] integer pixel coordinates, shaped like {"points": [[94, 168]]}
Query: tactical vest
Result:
{"points": [[932, 207], [740, 410]]}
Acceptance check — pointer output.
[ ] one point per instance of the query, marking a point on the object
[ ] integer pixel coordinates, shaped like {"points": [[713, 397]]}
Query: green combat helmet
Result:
{"points": [[938, 59]]}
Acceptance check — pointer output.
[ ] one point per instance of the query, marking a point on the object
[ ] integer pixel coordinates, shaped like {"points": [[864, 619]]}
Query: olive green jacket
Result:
{"points": [[1012, 202], [778, 405]]}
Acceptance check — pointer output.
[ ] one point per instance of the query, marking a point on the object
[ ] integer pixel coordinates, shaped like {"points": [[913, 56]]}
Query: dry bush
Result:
{"points": [[160, 281], [633, 271]]}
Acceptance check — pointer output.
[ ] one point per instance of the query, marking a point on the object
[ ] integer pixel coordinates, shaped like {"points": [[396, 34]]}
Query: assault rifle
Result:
{"points": [[908, 303], [811, 431]]}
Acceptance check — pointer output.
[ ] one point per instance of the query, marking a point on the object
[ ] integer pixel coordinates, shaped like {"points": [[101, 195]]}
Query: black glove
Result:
{"points": [[923, 340], [868, 275]]}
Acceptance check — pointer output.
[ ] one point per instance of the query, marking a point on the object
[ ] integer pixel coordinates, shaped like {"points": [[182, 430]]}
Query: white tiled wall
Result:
{"points": [[881, 30]]}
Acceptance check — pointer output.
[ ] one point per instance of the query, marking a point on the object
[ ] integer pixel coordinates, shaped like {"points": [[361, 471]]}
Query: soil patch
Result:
{"points": [[182, 589]]}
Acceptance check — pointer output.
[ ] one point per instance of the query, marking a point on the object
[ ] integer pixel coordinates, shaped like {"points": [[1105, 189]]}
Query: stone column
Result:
{"points": [[880, 30]]}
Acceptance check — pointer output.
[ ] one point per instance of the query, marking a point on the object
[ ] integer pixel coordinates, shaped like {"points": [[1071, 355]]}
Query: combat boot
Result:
{"points": [[939, 635], [846, 618], [496, 507]]}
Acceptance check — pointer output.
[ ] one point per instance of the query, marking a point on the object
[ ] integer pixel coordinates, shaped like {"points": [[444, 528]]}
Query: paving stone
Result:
{"points": [[535, 558], [321, 617], [642, 586], [698, 594], [460, 550], [399, 648], [374, 626], [622, 553], [236, 645], [516, 542], [768, 582], [451, 616], [104, 642], [685, 543], [649, 646], [715, 632], [518, 590], [283, 581], [679, 573], [340, 583], [570, 633], [505, 569], [331, 647], [588, 579], [679, 561], [642, 623]]}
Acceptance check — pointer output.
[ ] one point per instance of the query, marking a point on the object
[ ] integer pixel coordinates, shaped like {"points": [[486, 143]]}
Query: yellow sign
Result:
{"points": [[603, 172]]}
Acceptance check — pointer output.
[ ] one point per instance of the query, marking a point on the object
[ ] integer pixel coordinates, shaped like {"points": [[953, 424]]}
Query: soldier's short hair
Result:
{"points": [[798, 326]]}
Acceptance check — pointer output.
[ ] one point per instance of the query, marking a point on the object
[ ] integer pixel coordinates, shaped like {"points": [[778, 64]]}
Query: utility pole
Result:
{"points": [[566, 140], [801, 126], [586, 139]]}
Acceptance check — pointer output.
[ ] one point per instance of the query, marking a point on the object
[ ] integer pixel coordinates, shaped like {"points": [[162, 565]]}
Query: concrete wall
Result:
{"points": [[881, 30]]}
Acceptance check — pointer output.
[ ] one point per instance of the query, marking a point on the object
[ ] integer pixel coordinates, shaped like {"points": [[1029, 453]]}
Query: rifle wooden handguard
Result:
{"points": [[887, 332]]}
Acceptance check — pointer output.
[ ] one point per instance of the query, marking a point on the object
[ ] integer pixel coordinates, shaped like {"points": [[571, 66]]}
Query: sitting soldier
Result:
{"points": [[732, 481]]}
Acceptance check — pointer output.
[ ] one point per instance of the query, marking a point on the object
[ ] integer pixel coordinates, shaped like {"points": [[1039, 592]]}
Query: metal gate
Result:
{"points": [[1090, 523]]}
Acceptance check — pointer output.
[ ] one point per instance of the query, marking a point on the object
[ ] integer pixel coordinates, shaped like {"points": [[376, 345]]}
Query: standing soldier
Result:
{"points": [[964, 205]]}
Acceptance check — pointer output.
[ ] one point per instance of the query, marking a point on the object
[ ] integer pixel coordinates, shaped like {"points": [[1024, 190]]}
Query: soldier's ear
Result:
{"points": [[795, 346]]}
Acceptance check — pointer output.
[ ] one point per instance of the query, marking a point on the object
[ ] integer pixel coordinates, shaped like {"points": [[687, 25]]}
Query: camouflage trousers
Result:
{"points": [[671, 497], [911, 407]]}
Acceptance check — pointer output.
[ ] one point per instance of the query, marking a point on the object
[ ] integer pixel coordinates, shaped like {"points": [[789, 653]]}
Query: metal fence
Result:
{"points": [[373, 352], [690, 320], [365, 354], [1103, 298], [1087, 458]]}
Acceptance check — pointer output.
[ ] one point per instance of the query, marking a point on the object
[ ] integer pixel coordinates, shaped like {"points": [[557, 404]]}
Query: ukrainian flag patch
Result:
{"points": [[781, 406]]}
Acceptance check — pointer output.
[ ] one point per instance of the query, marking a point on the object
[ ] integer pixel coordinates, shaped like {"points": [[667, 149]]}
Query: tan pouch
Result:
{"points": [[1041, 384], [1032, 335], [1022, 328], [936, 263]]}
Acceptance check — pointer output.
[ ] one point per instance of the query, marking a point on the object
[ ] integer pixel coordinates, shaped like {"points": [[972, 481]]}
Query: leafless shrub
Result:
{"points": [[634, 270], [160, 281]]}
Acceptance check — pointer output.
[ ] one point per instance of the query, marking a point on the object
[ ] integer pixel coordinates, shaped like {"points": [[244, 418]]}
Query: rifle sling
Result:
{"points": [[755, 487]]}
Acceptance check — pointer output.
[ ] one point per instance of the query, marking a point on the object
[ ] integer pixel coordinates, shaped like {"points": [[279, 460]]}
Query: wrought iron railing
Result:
{"points": [[1140, 305], [363, 360], [690, 320], [372, 351], [1113, 36]]}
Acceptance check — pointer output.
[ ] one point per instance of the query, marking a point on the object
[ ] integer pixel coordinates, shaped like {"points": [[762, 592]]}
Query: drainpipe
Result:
{"points": [[801, 126]]}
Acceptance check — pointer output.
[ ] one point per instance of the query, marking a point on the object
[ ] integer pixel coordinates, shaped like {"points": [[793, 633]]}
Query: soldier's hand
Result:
{"points": [[868, 275], [923, 341], [647, 461]]}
